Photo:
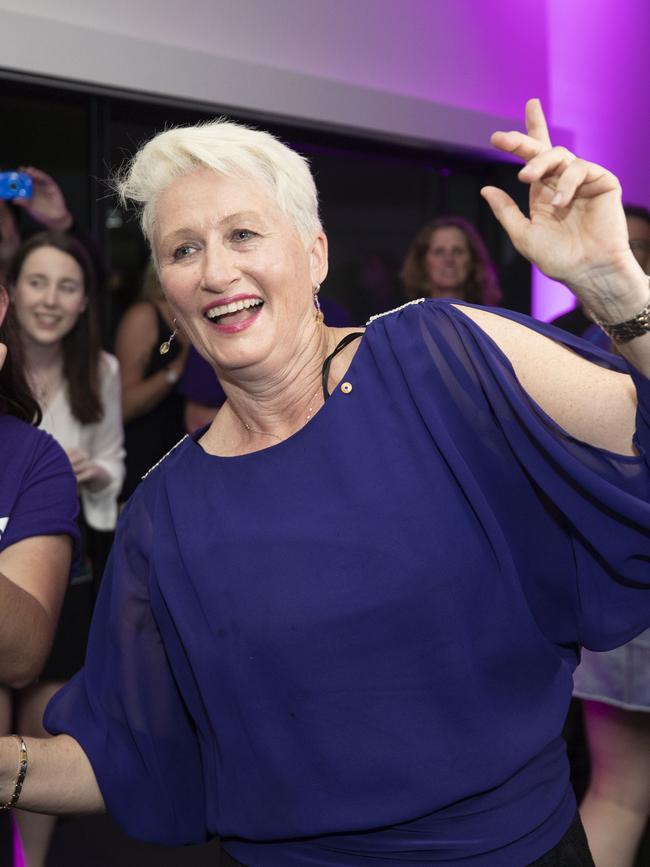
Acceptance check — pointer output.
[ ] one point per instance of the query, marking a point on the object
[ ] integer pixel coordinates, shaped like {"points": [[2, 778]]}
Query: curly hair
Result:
{"points": [[481, 286]]}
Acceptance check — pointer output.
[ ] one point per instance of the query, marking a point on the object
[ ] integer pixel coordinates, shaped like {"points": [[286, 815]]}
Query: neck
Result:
{"points": [[262, 411], [42, 357], [280, 403]]}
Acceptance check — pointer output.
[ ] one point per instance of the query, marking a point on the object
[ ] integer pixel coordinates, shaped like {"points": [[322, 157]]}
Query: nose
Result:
{"points": [[50, 297], [220, 269]]}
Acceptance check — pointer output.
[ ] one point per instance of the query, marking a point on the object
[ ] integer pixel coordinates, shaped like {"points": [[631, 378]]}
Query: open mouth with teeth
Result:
{"points": [[235, 314]]}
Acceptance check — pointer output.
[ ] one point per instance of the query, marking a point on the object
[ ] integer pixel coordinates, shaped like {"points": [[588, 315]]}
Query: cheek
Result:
{"points": [[178, 290], [75, 307]]}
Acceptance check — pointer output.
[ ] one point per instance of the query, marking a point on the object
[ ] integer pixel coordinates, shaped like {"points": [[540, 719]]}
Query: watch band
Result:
{"points": [[623, 332]]}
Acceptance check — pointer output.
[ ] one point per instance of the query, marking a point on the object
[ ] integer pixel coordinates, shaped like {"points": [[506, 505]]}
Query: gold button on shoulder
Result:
{"points": [[346, 387]]}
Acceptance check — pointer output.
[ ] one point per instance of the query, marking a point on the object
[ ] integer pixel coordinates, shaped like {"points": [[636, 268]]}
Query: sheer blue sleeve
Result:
{"points": [[124, 706], [495, 433], [604, 497]]}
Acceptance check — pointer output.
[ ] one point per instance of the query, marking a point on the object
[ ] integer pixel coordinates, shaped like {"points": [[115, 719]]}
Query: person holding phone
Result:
{"points": [[32, 192]]}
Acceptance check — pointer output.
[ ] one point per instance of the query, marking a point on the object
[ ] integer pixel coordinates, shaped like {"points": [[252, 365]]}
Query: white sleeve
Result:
{"points": [[106, 447]]}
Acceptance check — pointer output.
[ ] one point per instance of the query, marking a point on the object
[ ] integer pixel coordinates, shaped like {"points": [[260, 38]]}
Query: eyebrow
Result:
{"points": [[60, 280]]}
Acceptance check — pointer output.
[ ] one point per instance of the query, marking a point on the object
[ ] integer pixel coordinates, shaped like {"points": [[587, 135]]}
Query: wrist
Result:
{"points": [[625, 330], [8, 764], [11, 788], [60, 224], [615, 295]]}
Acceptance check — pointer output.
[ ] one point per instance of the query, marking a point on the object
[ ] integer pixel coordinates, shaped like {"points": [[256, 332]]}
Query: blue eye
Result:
{"points": [[243, 235], [182, 252]]}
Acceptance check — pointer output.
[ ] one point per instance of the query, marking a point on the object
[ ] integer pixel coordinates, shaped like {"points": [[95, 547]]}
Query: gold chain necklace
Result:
{"points": [[310, 412]]}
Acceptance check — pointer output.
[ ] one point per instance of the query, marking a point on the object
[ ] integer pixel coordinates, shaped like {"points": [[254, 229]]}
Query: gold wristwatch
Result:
{"points": [[623, 332]]}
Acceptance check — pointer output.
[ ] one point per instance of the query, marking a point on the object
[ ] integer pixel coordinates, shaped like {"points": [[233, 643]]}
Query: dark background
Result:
{"points": [[375, 195]]}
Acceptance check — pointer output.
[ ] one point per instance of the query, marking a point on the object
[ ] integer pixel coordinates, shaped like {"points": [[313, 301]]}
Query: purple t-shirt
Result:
{"points": [[38, 492]]}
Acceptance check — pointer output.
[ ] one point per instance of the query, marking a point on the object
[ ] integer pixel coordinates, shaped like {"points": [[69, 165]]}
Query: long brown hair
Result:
{"points": [[80, 347], [15, 395], [481, 287]]}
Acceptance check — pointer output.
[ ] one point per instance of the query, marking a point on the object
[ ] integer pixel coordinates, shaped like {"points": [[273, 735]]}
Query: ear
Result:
{"points": [[318, 263], [4, 303]]}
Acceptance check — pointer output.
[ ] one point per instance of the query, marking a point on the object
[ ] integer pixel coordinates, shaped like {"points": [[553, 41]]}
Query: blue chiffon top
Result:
{"points": [[357, 645]]}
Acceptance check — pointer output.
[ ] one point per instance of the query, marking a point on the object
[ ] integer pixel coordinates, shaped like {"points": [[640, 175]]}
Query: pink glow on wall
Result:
{"points": [[599, 78], [548, 297], [17, 854]]}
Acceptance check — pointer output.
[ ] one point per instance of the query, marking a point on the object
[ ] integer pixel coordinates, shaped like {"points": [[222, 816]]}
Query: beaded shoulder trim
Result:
{"points": [[396, 309], [166, 455]]}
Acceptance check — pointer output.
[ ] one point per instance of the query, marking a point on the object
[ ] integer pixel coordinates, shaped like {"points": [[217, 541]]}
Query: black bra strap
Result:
{"points": [[328, 361]]}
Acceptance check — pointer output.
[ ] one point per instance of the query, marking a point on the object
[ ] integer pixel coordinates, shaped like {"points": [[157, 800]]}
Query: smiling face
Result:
{"points": [[448, 262], [236, 272], [49, 296]]}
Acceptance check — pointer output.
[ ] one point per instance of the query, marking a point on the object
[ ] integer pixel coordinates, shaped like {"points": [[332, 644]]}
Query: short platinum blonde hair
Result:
{"points": [[231, 149]]}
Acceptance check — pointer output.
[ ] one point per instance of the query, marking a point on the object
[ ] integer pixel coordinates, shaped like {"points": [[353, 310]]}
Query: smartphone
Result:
{"points": [[15, 185]]}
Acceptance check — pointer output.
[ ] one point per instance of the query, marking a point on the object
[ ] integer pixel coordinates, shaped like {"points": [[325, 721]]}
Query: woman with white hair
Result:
{"points": [[339, 624]]}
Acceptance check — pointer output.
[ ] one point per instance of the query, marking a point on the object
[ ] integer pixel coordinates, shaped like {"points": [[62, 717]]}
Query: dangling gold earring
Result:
{"points": [[166, 345], [318, 316]]}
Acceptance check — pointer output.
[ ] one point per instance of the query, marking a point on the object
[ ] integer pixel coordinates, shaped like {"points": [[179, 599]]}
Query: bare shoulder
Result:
{"points": [[140, 319], [136, 335], [592, 403]]}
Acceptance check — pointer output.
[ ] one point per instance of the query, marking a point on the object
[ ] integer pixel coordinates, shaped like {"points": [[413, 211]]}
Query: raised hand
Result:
{"points": [[47, 205], [576, 231]]}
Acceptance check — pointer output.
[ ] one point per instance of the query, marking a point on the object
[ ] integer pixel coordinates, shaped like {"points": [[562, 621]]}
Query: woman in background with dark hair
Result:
{"points": [[38, 508], [77, 386], [448, 259]]}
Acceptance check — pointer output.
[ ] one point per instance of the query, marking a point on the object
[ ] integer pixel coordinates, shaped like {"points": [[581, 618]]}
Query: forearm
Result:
{"points": [[60, 779], [637, 352], [141, 397], [26, 632]]}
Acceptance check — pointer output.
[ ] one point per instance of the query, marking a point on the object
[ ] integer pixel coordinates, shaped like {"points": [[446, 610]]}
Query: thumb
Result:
{"points": [[3, 354], [508, 214]]}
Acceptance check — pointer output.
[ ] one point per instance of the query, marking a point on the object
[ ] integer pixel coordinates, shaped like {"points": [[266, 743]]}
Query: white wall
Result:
{"points": [[445, 71]]}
